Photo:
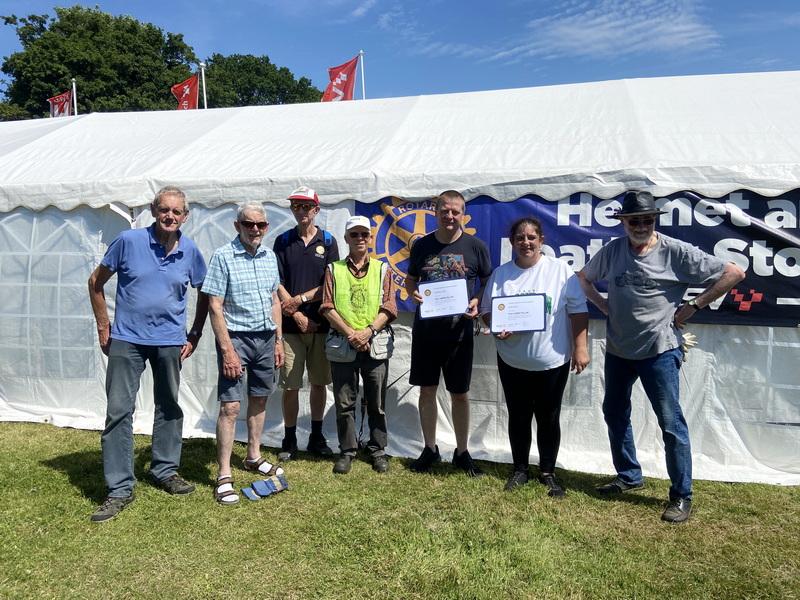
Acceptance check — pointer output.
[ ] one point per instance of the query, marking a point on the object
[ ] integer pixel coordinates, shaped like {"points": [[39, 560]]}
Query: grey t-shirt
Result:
{"points": [[645, 291]]}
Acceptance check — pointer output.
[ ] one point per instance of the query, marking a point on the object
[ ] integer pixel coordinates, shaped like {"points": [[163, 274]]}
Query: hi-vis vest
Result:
{"points": [[357, 300]]}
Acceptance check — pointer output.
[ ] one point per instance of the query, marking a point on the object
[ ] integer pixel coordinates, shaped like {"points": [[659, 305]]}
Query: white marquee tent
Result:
{"points": [[68, 186]]}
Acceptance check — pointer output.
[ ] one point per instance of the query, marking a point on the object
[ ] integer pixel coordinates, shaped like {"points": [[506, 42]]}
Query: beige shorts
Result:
{"points": [[304, 350]]}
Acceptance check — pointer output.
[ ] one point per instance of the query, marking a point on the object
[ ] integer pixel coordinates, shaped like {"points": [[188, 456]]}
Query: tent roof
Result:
{"points": [[711, 134]]}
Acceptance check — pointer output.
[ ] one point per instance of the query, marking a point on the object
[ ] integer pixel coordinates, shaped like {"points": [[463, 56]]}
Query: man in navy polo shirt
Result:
{"points": [[303, 253], [154, 268]]}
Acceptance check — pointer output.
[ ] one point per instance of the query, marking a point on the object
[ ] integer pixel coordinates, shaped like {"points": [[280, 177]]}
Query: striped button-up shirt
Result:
{"points": [[246, 283]]}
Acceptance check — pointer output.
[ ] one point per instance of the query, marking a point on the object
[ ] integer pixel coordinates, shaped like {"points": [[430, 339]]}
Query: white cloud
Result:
{"points": [[362, 9], [612, 28]]}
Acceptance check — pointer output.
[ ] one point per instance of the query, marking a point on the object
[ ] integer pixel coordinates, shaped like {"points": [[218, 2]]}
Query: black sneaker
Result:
{"points": [[464, 462], [174, 484], [110, 508], [617, 486], [288, 450], [517, 479], [426, 460], [380, 463], [319, 446], [554, 490], [678, 510], [343, 464]]}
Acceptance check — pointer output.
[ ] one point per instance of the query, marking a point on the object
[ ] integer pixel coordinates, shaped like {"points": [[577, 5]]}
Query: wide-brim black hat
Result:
{"points": [[638, 203]]}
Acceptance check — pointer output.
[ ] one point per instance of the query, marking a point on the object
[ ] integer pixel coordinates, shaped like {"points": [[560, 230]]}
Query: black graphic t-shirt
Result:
{"points": [[431, 260]]}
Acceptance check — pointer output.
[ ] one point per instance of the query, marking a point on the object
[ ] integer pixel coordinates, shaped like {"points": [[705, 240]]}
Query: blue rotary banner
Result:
{"points": [[759, 234]]}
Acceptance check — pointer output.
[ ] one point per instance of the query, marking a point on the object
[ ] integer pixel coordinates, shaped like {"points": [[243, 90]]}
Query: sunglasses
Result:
{"points": [[303, 207], [647, 221], [358, 234], [262, 225]]}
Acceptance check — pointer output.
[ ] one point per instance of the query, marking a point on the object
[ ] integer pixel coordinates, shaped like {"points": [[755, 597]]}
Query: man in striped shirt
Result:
{"points": [[242, 284]]}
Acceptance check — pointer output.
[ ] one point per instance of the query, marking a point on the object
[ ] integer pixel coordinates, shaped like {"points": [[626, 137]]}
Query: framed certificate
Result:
{"points": [[443, 298], [518, 313]]}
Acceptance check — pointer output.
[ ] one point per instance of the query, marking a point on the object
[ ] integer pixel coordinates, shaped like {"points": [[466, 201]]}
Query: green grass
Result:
{"points": [[401, 535]]}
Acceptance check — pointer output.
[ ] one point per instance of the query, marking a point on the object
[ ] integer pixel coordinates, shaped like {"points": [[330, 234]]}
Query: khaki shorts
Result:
{"points": [[304, 350]]}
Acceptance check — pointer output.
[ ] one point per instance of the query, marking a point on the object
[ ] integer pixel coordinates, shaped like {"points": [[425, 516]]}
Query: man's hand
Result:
{"points": [[290, 305], [305, 324], [280, 355], [683, 314], [472, 309], [192, 340], [580, 360], [104, 337], [503, 335], [360, 339], [231, 365]]}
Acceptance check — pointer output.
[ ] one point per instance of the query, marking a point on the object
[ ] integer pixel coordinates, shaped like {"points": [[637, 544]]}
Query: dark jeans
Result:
{"points": [[659, 375], [345, 392], [529, 394], [126, 363]]}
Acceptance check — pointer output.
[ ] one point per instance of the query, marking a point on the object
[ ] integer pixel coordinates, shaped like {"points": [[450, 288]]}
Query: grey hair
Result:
{"points": [[251, 205], [169, 190]]}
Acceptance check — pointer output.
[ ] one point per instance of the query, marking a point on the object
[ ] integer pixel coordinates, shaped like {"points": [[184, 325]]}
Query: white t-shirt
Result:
{"points": [[539, 350]]}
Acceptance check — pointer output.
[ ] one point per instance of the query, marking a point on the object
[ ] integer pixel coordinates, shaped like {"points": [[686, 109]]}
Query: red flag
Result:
{"points": [[61, 105], [343, 81], [187, 93]]}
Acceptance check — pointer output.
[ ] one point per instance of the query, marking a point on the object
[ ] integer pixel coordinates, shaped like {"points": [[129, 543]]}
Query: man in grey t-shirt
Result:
{"points": [[648, 274]]}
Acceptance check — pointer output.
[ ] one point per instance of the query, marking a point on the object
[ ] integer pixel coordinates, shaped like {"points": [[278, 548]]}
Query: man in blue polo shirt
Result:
{"points": [[242, 285], [303, 253], [154, 268]]}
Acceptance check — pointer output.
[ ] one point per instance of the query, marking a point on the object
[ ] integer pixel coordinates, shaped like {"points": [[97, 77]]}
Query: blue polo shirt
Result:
{"points": [[150, 307]]}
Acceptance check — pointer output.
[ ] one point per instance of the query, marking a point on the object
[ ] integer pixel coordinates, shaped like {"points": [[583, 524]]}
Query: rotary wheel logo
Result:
{"points": [[398, 225]]}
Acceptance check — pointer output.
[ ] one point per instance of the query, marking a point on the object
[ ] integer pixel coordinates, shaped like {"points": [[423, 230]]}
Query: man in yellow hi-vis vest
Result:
{"points": [[359, 302]]}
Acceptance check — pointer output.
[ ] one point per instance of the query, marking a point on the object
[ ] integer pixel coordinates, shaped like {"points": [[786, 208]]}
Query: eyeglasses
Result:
{"points": [[163, 210], [303, 207], [358, 234], [262, 225], [646, 221]]}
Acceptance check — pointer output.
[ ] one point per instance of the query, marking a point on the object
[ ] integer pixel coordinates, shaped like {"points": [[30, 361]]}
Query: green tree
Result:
{"points": [[247, 80], [119, 62]]}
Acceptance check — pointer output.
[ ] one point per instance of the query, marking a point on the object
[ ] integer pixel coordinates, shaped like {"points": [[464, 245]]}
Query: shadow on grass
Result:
{"points": [[575, 481], [85, 469]]}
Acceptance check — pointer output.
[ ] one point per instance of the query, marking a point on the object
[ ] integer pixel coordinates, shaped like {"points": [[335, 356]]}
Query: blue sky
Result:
{"points": [[442, 46]]}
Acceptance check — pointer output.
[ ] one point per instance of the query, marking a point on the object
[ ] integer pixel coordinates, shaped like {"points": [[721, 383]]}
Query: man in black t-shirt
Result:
{"points": [[444, 344], [303, 253]]}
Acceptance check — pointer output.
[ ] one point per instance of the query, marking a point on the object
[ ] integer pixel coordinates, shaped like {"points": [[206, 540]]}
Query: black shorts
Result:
{"points": [[452, 356]]}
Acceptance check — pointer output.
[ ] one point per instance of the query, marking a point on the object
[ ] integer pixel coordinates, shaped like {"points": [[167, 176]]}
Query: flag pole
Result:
{"points": [[74, 97], [203, 78], [363, 85]]}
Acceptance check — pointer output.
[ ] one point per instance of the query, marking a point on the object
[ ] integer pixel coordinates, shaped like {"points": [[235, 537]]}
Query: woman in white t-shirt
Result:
{"points": [[534, 365]]}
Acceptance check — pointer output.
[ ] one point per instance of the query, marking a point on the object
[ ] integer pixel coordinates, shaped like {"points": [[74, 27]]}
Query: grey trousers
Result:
{"points": [[126, 363], [345, 392]]}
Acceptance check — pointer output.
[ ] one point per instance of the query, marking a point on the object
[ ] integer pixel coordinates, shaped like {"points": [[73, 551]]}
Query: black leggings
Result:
{"points": [[529, 394]]}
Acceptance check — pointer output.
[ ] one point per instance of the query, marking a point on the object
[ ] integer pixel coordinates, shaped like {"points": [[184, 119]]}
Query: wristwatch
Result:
{"points": [[303, 298], [278, 338], [374, 331], [693, 303]]}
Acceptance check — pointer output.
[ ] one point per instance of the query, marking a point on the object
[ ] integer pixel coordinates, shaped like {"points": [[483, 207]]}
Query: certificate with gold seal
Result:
{"points": [[443, 298], [518, 313]]}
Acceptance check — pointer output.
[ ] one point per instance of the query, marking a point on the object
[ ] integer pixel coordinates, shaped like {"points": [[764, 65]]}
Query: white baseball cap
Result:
{"points": [[357, 221]]}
